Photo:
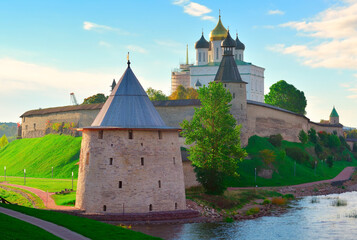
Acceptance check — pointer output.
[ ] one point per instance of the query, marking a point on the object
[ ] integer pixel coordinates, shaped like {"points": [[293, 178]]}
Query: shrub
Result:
{"points": [[228, 220], [318, 149], [266, 201], [334, 141], [276, 140], [297, 154], [56, 126], [329, 161], [289, 196], [303, 137], [323, 136], [211, 180], [268, 156], [312, 135], [354, 149], [278, 201], [252, 211]]}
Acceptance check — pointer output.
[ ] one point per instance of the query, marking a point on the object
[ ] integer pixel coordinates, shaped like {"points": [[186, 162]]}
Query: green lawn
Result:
{"points": [[284, 167], [39, 155], [65, 199], [87, 227], [15, 198], [45, 184], [36, 199], [13, 228]]}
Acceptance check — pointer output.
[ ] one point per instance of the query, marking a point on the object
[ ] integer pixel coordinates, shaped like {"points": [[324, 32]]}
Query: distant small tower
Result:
{"points": [[130, 161], [218, 34], [202, 47], [239, 50], [113, 84], [198, 84], [228, 74], [334, 118]]}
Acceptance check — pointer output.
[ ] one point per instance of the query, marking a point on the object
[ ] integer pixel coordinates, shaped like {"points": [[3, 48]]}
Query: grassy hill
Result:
{"points": [[39, 155], [283, 165]]}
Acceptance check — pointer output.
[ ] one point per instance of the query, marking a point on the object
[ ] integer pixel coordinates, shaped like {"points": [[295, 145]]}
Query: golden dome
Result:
{"points": [[219, 32]]}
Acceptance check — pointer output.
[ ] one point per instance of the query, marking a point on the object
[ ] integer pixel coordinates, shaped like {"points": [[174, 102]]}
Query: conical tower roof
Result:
{"points": [[334, 113], [128, 106]]}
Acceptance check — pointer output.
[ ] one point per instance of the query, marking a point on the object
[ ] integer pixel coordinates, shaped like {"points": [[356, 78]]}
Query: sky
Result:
{"points": [[49, 49]]}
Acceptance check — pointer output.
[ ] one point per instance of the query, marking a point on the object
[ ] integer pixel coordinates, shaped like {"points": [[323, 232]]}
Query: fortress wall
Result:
{"points": [[128, 184], [35, 125], [189, 175], [328, 129], [174, 115]]}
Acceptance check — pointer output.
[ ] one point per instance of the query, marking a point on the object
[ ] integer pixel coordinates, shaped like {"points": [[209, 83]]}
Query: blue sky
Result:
{"points": [[49, 49]]}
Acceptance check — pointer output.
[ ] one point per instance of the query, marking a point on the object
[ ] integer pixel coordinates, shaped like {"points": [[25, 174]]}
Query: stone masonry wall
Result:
{"points": [[157, 181]]}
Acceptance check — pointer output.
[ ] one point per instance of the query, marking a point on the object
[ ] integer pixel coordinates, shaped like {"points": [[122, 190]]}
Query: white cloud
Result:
{"points": [[276, 12], [104, 44], [89, 26], [334, 37], [135, 48], [195, 9]]}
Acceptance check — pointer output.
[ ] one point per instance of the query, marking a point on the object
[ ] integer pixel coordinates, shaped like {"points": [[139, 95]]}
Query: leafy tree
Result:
{"points": [[3, 141], [276, 140], [156, 95], [318, 149], [286, 96], [98, 98], [354, 148], [323, 136], [184, 93], [329, 161], [215, 136], [312, 135], [351, 133], [303, 137], [333, 141]]}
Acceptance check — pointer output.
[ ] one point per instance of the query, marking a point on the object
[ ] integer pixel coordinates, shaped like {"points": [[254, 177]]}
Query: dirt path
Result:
{"points": [[56, 230], [344, 175], [46, 197]]}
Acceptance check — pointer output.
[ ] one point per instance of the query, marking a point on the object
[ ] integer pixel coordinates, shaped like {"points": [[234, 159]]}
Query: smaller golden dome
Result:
{"points": [[219, 32]]}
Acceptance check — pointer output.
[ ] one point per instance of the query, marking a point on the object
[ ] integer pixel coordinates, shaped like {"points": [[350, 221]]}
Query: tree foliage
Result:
{"points": [[276, 140], [286, 96], [351, 133], [3, 141], [215, 136], [156, 95], [8, 129], [98, 98], [303, 137], [312, 135], [184, 93]]}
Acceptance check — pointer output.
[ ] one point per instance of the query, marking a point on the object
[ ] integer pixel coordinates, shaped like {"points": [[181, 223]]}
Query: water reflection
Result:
{"points": [[307, 219]]}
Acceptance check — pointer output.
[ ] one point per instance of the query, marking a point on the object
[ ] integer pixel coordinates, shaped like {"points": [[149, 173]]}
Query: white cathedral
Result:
{"points": [[208, 58]]}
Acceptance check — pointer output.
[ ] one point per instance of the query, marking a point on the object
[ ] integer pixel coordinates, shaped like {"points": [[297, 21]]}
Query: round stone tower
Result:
{"points": [[130, 161]]}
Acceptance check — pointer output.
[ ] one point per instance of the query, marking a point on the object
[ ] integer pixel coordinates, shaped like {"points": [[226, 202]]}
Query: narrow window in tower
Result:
{"points": [[235, 56], [142, 144], [111, 145], [34, 126], [100, 134], [87, 158], [150, 207], [234, 95], [159, 183], [26, 127], [160, 135], [142, 161], [120, 184], [241, 106], [204, 57], [240, 57], [174, 160], [216, 53], [225, 85], [110, 161], [199, 57], [130, 134], [104, 208], [175, 205]]}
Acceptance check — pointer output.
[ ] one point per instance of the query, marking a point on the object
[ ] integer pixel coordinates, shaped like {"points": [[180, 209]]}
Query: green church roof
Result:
{"points": [[334, 113]]}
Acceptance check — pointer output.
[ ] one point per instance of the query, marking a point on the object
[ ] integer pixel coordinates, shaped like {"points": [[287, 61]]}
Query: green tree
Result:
{"points": [[286, 96], [156, 95], [333, 141], [303, 137], [312, 135], [3, 141], [215, 136], [184, 93], [98, 98], [329, 161]]}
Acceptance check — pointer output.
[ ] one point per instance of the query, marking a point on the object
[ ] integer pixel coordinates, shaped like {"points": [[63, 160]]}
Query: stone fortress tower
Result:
{"points": [[228, 74], [130, 161], [334, 118]]}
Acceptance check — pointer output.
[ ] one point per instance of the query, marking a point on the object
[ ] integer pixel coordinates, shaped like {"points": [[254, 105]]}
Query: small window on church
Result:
{"points": [[204, 57], [110, 161], [104, 208], [216, 53], [240, 57], [120, 184], [142, 161], [100, 134], [130, 134], [199, 57], [160, 135]]}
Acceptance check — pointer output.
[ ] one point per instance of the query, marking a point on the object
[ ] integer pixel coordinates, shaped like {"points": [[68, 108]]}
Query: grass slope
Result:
{"points": [[39, 155], [87, 227], [13, 228], [284, 166]]}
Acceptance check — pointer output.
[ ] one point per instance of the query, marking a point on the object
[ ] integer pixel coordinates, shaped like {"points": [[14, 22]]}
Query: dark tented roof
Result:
{"points": [[198, 84], [240, 45], [202, 43], [228, 42], [128, 106]]}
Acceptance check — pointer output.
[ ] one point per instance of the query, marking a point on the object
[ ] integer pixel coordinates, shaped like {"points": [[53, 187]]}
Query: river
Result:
{"points": [[308, 218]]}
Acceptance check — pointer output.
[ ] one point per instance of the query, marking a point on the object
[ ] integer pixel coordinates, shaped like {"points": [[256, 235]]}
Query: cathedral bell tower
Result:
{"points": [[229, 76]]}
